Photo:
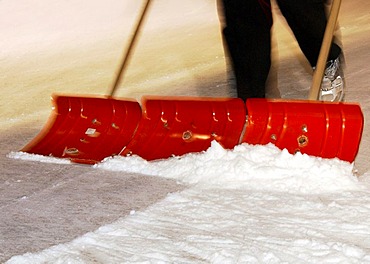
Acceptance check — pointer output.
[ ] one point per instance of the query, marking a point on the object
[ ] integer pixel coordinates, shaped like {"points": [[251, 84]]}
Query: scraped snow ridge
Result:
{"points": [[34, 157], [246, 167]]}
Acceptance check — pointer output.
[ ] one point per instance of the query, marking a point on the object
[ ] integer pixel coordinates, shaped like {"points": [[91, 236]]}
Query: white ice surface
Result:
{"points": [[253, 204]]}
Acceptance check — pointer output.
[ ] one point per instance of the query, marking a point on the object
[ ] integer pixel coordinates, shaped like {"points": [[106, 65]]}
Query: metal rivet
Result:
{"points": [[90, 131], [302, 141], [96, 122], [187, 135], [304, 129], [71, 151], [273, 137]]}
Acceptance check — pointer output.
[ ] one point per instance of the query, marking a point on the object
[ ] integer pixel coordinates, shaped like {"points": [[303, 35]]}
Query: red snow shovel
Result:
{"points": [[89, 129]]}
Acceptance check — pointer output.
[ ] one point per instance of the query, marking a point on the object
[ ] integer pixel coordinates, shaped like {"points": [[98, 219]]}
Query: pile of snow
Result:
{"points": [[246, 167], [257, 167]]}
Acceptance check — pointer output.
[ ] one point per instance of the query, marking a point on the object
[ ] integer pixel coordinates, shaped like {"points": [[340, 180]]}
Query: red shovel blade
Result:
{"points": [[86, 130], [327, 130], [179, 125]]}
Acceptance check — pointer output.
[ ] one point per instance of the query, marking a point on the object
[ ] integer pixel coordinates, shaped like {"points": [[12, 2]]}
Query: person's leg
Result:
{"points": [[247, 36], [307, 19]]}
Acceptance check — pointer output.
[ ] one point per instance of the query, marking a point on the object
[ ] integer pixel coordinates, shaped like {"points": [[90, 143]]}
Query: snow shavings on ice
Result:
{"points": [[224, 226], [34, 157], [253, 204]]}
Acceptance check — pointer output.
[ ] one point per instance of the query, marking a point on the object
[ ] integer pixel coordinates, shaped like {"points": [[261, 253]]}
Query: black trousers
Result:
{"points": [[248, 41]]}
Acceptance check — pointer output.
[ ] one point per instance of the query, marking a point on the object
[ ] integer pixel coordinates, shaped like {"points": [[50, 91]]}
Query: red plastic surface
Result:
{"points": [[89, 129], [321, 129], [86, 129], [179, 125]]}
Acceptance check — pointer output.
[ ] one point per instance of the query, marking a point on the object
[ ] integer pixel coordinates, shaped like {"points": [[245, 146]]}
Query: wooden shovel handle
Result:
{"points": [[129, 49], [324, 51]]}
